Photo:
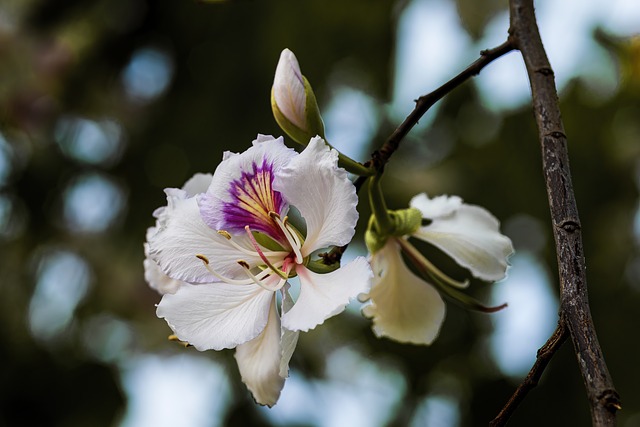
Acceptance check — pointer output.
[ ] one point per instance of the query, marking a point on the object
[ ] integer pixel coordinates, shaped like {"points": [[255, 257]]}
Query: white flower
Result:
{"points": [[234, 247], [405, 307]]}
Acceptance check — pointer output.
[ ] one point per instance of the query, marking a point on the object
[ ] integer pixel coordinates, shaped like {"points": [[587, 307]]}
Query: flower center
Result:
{"points": [[277, 267]]}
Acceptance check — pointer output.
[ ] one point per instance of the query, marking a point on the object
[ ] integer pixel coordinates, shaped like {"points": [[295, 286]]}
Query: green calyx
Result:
{"points": [[312, 118], [385, 223], [314, 126], [403, 222]]}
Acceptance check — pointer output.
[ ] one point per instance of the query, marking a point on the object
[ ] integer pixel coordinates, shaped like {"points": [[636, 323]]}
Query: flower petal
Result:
{"points": [[322, 192], [289, 338], [216, 315], [471, 236], [184, 235], [197, 184], [325, 295], [437, 207], [159, 281], [259, 361], [403, 307], [241, 191], [288, 89]]}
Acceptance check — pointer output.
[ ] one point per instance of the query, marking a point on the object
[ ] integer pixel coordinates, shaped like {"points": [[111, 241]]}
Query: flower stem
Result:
{"points": [[384, 224]]}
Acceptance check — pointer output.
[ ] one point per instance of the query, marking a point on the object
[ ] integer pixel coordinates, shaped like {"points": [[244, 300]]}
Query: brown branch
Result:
{"points": [[545, 353], [574, 305], [381, 156]]}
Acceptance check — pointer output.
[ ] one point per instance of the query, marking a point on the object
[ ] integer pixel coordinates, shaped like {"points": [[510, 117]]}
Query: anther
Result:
{"points": [[203, 258], [225, 234]]}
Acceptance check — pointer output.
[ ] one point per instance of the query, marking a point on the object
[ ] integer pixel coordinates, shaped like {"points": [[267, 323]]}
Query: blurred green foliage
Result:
{"points": [[64, 60]]}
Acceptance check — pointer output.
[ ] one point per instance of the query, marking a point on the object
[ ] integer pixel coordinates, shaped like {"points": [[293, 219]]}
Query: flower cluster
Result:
{"points": [[224, 249]]}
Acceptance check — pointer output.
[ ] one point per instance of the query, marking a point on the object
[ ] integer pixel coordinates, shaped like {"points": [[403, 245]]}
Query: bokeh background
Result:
{"points": [[104, 103]]}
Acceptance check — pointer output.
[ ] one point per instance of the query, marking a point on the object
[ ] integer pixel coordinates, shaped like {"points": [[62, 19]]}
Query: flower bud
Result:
{"points": [[293, 101]]}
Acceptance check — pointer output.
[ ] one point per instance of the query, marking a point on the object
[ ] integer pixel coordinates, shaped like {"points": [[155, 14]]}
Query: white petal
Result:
{"points": [[289, 338], [216, 315], [288, 89], [325, 295], [265, 150], [197, 184], [175, 246], [471, 236], [403, 307], [322, 192], [159, 281], [436, 207], [259, 361]]}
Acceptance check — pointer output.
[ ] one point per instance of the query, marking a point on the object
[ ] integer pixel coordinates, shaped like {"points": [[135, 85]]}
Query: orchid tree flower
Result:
{"points": [[408, 307], [296, 110], [235, 246]]}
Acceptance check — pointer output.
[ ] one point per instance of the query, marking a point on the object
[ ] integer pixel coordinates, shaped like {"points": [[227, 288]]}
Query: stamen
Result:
{"points": [[205, 261], [259, 281], [246, 251], [263, 257], [292, 231], [293, 241], [424, 264], [225, 234]]}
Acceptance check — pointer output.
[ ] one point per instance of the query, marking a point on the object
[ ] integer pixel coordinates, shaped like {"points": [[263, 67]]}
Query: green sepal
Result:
{"points": [[298, 135], [318, 266], [267, 241], [405, 221], [315, 125], [373, 238], [313, 119]]}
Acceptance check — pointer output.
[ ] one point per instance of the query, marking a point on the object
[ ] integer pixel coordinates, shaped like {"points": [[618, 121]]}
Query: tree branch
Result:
{"points": [[545, 353], [574, 305], [381, 156]]}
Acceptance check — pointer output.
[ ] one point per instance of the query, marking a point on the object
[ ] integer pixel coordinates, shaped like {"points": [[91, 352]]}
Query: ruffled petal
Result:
{"points": [[403, 307], [259, 361], [471, 236], [216, 315], [159, 281], [241, 191], [184, 235], [323, 193], [439, 206], [325, 295]]}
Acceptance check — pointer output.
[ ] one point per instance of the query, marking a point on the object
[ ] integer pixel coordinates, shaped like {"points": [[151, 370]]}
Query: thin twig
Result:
{"points": [[574, 306], [545, 353], [380, 157]]}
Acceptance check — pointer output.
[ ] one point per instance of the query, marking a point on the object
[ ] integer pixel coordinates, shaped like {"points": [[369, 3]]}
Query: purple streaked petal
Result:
{"points": [[253, 198], [241, 192]]}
